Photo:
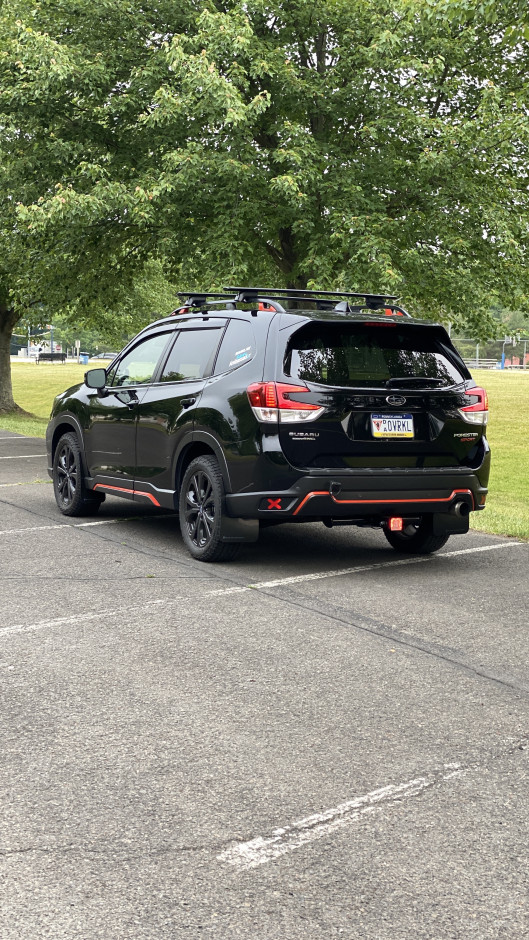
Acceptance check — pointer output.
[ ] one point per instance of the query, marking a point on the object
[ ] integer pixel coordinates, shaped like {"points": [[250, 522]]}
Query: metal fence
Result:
{"points": [[512, 352]]}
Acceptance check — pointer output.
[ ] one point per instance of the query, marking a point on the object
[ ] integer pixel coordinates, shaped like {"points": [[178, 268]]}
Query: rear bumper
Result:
{"points": [[360, 496]]}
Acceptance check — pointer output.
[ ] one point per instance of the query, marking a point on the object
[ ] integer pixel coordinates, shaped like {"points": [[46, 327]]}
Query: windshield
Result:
{"points": [[360, 354]]}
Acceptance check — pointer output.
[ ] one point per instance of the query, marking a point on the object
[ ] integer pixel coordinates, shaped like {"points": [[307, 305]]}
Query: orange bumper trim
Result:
{"points": [[374, 502]]}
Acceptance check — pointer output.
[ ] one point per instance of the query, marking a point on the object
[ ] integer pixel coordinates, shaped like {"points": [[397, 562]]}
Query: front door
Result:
{"points": [[110, 437]]}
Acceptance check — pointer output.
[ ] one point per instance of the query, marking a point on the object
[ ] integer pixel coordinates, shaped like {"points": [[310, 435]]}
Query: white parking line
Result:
{"points": [[246, 855], [84, 525], [339, 572], [79, 618], [27, 483], [60, 525], [219, 592], [21, 456]]}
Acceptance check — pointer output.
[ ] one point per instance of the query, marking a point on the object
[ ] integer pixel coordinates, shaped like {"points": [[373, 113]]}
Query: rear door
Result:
{"points": [[391, 392]]}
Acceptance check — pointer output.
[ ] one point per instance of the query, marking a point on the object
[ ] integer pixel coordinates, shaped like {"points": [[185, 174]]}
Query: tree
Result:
{"points": [[379, 146], [53, 78]]}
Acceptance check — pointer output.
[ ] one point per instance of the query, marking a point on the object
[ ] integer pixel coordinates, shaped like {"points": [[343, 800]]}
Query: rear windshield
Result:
{"points": [[358, 354]]}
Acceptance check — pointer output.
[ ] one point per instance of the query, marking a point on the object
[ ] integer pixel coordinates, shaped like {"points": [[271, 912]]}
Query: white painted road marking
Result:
{"points": [[21, 456], [28, 483], [61, 525], [81, 525], [217, 592], [339, 572], [259, 851], [79, 618]]}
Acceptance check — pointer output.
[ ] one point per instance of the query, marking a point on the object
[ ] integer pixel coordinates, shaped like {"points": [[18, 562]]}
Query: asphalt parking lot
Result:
{"points": [[323, 739]]}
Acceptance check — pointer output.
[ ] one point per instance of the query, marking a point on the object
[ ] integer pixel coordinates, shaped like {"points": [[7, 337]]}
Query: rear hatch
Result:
{"points": [[391, 394]]}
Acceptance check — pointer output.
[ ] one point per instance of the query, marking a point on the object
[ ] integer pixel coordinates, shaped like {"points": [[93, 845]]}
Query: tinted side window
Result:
{"points": [[363, 355], [138, 365], [238, 346], [192, 355]]}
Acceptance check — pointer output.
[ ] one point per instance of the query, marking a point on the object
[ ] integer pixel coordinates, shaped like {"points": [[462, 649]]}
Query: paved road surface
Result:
{"points": [[321, 740]]}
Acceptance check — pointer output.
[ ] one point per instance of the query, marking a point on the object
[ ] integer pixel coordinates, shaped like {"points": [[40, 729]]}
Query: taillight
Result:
{"points": [[272, 402], [477, 412]]}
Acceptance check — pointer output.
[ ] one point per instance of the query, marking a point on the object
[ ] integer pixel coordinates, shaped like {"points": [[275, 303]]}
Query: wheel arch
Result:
{"points": [[67, 424], [198, 445]]}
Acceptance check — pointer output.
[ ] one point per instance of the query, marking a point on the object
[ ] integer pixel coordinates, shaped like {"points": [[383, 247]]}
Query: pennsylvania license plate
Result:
{"points": [[392, 425]]}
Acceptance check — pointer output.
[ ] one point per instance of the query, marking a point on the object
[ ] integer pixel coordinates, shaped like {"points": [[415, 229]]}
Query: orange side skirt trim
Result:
{"points": [[123, 489]]}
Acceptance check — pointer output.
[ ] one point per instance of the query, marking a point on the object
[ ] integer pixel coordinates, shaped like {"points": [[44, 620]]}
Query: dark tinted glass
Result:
{"points": [[238, 346], [363, 355], [137, 366], [192, 355]]}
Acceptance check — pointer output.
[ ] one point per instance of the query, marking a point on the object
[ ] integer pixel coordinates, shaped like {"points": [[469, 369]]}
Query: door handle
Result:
{"points": [[187, 402]]}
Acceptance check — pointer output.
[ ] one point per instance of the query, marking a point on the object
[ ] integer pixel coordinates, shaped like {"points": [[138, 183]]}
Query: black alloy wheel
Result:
{"points": [[71, 494], [416, 539], [201, 507]]}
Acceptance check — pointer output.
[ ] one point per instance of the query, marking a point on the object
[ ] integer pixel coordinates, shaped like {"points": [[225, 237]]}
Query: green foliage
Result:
{"points": [[378, 146]]}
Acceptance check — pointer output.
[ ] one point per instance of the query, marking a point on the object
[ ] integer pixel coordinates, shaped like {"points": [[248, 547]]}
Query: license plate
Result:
{"points": [[392, 425]]}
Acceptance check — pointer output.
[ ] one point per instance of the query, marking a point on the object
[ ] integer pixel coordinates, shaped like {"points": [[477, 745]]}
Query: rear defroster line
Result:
{"points": [[123, 489], [383, 502]]}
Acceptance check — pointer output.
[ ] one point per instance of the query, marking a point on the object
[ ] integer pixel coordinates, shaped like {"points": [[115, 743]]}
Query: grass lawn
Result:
{"points": [[35, 387], [507, 511]]}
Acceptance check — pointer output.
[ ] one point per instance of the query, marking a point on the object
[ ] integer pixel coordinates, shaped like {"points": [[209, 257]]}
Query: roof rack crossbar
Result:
{"points": [[200, 298], [302, 293], [264, 298]]}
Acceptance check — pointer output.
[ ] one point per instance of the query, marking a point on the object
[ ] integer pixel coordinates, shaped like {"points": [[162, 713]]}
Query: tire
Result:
{"points": [[416, 539], [71, 494], [201, 505]]}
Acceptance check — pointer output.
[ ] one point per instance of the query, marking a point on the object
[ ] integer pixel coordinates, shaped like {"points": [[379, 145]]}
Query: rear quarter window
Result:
{"points": [[238, 346]]}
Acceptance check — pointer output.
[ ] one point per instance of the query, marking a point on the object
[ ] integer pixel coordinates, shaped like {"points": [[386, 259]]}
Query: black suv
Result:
{"points": [[256, 407]]}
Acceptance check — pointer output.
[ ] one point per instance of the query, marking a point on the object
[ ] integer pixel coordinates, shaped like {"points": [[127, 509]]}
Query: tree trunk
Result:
{"points": [[286, 259], [8, 318]]}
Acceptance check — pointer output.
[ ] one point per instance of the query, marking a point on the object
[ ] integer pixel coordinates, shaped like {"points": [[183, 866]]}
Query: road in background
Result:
{"points": [[324, 739]]}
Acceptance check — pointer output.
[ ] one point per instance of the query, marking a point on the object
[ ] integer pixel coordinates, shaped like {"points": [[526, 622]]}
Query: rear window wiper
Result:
{"points": [[405, 380]]}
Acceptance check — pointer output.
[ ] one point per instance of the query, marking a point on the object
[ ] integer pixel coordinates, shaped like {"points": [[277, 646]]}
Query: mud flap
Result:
{"points": [[238, 530], [446, 523]]}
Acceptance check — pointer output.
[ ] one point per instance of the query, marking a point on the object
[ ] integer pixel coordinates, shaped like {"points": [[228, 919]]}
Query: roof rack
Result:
{"points": [[371, 301], [264, 297]]}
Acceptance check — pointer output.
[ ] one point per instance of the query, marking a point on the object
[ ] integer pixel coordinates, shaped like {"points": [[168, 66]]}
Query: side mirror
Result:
{"points": [[95, 378]]}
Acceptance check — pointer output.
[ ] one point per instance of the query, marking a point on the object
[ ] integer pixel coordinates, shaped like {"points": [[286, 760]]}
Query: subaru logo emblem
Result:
{"points": [[396, 400]]}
